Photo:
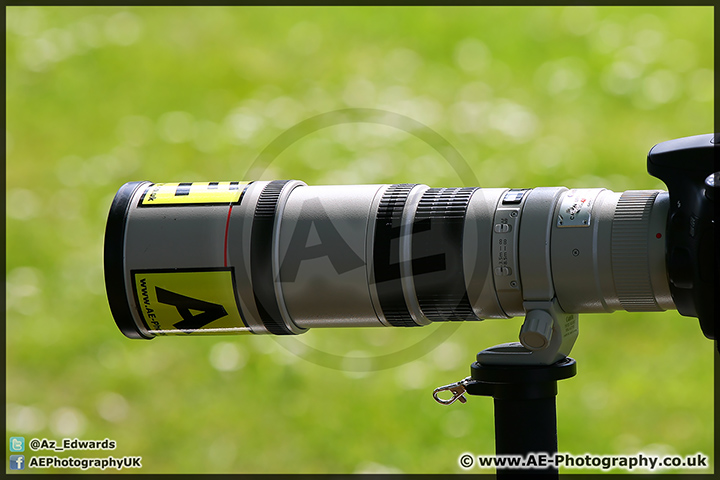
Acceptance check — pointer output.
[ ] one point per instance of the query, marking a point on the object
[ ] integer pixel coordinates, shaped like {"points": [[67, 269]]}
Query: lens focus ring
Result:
{"points": [[437, 262]]}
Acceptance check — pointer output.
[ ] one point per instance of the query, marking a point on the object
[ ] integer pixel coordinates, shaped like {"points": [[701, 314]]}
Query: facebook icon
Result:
{"points": [[17, 462]]}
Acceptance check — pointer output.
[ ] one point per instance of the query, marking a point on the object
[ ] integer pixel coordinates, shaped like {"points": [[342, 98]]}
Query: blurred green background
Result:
{"points": [[530, 96]]}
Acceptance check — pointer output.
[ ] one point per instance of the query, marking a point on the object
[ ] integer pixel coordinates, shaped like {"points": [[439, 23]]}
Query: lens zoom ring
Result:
{"points": [[630, 236], [261, 244], [438, 231], [386, 256]]}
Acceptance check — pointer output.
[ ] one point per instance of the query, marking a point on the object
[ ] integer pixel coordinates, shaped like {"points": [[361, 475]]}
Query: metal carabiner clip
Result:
{"points": [[457, 389]]}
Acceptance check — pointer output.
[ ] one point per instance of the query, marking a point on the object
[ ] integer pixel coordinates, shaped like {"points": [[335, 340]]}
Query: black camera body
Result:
{"points": [[689, 169]]}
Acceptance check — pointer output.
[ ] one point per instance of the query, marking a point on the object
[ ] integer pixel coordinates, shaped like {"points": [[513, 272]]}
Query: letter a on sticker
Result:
{"points": [[209, 311]]}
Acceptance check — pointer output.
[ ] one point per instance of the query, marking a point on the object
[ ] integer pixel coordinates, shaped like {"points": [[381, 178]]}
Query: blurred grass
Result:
{"points": [[97, 96]]}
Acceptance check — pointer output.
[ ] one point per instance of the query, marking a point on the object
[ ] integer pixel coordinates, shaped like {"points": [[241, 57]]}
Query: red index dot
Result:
{"points": [[658, 235]]}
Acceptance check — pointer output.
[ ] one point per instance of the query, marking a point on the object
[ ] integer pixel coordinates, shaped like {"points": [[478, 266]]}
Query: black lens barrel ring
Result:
{"points": [[437, 259], [261, 245], [386, 256]]}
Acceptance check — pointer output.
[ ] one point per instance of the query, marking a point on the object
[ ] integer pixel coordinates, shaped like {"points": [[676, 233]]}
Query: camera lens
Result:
{"points": [[281, 257]]}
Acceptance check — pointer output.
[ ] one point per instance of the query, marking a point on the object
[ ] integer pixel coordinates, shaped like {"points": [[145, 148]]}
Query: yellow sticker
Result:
{"points": [[192, 193], [189, 301]]}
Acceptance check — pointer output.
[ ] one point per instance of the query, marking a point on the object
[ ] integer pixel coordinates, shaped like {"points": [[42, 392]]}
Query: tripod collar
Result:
{"points": [[546, 337]]}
